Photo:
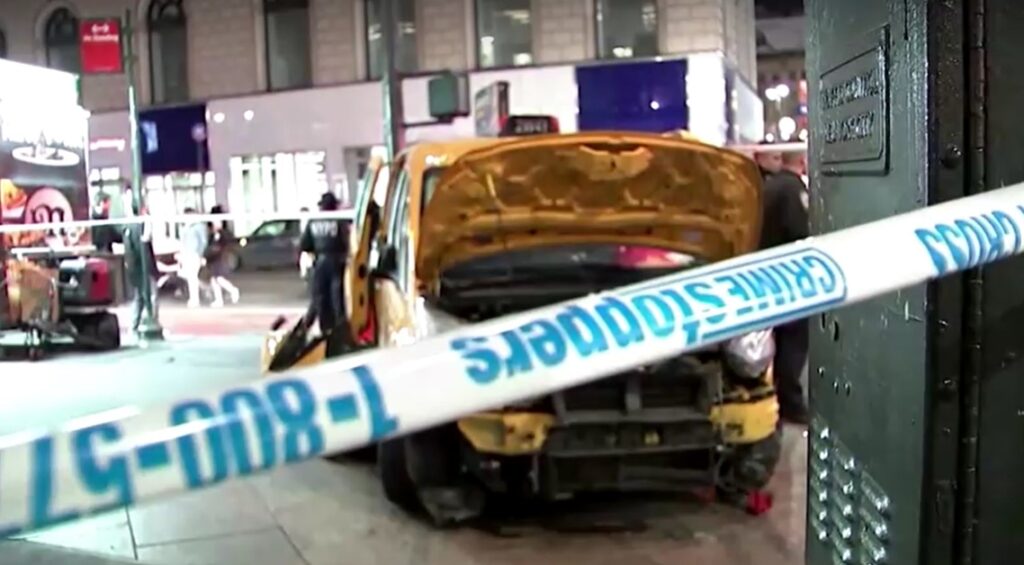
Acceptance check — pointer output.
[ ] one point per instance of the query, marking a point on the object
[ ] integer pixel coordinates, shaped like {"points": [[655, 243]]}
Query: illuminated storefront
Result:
{"points": [[282, 182]]}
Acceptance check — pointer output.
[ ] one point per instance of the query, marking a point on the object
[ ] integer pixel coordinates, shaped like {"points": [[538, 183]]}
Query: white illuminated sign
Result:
{"points": [[42, 127], [115, 143], [38, 86]]}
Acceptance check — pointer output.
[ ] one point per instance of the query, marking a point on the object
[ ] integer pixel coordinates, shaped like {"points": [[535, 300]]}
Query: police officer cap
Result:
{"points": [[328, 200]]}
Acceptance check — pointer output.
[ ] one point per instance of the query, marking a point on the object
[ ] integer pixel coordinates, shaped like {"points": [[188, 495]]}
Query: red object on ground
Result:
{"points": [[759, 502]]}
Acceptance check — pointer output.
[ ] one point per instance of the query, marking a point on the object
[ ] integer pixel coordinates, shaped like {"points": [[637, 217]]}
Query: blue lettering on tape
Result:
{"points": [[153, 456], [691, 307], [210, 442], [969, 242]]}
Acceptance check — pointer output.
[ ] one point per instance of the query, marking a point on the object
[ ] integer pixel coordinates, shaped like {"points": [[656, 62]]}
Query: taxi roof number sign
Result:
{"points": [[528, 125]]}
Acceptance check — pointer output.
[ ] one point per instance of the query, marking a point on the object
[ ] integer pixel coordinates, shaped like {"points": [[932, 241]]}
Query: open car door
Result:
{"points": [[291, 347], [362, 251]]}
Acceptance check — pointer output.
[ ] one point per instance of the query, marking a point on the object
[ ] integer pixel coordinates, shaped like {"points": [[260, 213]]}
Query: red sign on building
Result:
{"points": [[101, 46]]}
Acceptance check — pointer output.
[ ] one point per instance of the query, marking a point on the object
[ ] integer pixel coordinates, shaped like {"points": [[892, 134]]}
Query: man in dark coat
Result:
{"points": [[769, 162], [785, 221]]}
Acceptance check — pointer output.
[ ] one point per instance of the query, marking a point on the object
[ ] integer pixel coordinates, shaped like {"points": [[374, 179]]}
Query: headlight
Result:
{"points": [[751, 354]]}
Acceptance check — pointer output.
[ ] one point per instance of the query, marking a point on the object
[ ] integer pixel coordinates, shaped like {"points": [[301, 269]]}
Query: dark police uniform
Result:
{"points": [[786, 220], [328, 241]]}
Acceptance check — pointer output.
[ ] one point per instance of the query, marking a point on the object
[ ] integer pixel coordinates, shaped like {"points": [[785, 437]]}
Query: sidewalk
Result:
{"points": [[325, 513]]}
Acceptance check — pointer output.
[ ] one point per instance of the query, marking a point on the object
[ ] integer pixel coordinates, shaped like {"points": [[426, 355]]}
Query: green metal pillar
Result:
{"points": [[918, 396], [149, 326], [394, 114]]}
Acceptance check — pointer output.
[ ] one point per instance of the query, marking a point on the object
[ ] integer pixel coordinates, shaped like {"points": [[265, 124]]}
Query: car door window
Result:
{"points": [[271, 229], [397, 214]]}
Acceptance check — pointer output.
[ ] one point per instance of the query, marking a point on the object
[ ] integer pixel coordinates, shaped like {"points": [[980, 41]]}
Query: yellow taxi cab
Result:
{"points": [[469, 230]]}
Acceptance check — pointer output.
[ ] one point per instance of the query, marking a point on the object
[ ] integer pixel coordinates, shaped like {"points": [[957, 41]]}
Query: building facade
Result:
{"points": [[264, 104]]}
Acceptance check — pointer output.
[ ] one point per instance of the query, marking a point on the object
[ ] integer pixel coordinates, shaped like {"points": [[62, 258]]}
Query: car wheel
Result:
{"points": [[751, 466], [394, 475], [108, 331]]}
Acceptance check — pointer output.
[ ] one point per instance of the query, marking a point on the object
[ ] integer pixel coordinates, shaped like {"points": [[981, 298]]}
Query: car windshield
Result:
{"points": [[430, 178]]}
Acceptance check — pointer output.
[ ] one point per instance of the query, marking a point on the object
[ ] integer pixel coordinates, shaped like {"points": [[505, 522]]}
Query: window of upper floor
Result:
{"points": [[168, 51], [406, 52], [60, 40], [626, 28], [3, 45], [504, 31], [289, 54]]}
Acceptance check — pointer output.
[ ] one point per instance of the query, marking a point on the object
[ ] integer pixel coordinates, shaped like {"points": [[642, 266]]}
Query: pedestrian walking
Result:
{"points": [[194, 242], [141, 262], [221, 240]]}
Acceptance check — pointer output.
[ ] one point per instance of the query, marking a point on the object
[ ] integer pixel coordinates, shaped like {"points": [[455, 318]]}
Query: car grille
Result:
{"points": [[685, 383]]}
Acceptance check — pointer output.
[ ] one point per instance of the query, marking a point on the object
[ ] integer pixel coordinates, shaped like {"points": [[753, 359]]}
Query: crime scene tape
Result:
{"points": [[347, 214], [124, 456], [770, 147]]}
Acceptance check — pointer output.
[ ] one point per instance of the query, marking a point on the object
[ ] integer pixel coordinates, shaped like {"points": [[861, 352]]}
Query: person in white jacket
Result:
{"points": [[194, 240]]}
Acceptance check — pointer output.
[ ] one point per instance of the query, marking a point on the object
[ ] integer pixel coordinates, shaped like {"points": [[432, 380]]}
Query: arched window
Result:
{"points": [[168, 51], [61, 40], [289, 64], [3, 45]]}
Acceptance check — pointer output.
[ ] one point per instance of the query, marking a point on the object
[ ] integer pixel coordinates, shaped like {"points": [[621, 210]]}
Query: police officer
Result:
{"points": [[768, 162], [785, 221], [328, 241]]}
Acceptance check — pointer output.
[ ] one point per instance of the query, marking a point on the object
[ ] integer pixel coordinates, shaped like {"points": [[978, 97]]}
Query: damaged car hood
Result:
{"points": [[626, 188]]}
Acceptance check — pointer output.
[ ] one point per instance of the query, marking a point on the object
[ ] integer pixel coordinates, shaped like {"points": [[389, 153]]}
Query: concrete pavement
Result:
{"points": [[325, 513]]}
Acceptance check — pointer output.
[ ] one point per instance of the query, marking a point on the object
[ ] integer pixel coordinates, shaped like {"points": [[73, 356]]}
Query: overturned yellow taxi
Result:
{"points": [[473, 230]]}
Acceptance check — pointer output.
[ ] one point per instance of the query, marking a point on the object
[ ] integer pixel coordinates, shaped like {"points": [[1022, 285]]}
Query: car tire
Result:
{"points": [[394, 475], [751, 466], [108, 331]]}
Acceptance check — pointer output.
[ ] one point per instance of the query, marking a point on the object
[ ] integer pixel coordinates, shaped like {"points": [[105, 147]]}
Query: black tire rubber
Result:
{"points": [[107, 331], [394, 475], [750, 467]]}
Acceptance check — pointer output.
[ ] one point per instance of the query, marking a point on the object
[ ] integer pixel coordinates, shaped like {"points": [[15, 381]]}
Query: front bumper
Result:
{"points": [[512, 433]]}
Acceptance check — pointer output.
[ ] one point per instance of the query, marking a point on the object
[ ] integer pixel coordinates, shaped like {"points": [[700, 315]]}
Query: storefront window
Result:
{"points": [[172, 194], [62, 50], [626, 28], [283, 182], [3, 45], [289, 63], [405, 39], [505, 33], [168, 51]]}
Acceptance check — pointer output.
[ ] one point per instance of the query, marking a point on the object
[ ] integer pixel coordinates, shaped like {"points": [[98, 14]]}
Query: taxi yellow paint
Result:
{"points": [[694, 198]]}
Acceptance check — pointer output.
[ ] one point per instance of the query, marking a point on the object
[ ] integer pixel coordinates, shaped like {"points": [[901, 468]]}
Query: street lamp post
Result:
{"points": [[149, 326], [394, 114]]}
